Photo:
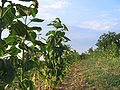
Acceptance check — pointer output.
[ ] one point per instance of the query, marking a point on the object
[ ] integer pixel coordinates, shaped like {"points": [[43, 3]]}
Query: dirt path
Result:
{"points": [[74, 80]]}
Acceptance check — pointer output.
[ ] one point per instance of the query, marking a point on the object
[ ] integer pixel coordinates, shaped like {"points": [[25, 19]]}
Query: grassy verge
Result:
{"points": [[93, 75]]}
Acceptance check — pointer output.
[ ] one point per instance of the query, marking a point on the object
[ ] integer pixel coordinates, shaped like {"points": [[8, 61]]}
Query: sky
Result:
{"points": [[85, 19]]}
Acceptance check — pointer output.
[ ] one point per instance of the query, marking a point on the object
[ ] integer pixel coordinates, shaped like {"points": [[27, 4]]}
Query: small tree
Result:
{"points": [[106, 39]]}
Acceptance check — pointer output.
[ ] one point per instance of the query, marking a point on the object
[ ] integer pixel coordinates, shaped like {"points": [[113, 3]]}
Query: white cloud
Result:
{"points": [[104, 15], [45, 6], [100, 25], [45, 15], [57, 4]]}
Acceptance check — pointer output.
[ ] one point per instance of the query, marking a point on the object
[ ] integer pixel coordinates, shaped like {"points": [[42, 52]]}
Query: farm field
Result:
{"points": [[62, 67], [93, 75]]}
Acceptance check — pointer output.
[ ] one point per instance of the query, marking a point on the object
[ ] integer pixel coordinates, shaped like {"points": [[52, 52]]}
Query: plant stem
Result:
{"points": [[22, 74], [3, 14], [23, 54], [25, 20], [1, 19]]}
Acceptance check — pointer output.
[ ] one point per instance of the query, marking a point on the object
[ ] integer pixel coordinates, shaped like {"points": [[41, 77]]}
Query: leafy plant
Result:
{"points": [[12, 66], [107, 47], [55, 48], [20, 51]]}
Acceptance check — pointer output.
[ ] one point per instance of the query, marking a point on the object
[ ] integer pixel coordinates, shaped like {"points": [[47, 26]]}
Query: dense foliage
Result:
{"points": [[108, 47], [20, 51]]}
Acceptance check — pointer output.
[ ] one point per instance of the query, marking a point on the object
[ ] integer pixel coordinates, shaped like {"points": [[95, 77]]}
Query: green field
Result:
{"points": [[93, 75]]}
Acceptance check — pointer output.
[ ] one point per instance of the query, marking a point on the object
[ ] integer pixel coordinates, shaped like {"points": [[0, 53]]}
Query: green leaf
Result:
{"points": [[58, 19], [35, 4], [1, 64], [18, 28], [14, 51], [8, 73], [31, 36], [34, 12], [2, 25], [35, 28], [50, 32], [59, 33], [38, 43], [14, 61], [66, 39], [4, 0], [3, 47], [65, 27], [8, 15], [28, 65], [56, 23], [37, 20], [23, 46], [23, 10], [18, 16], [12, 40]]}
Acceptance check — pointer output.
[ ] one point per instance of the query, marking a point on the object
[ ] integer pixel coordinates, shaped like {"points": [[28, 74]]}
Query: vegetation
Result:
{"points": [[20, 53], [108, 47], [97, 69], [91, 74], [26, 71]]}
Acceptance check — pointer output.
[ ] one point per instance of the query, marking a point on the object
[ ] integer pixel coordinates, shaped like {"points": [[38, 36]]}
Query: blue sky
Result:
{"points": [[86, 19]]}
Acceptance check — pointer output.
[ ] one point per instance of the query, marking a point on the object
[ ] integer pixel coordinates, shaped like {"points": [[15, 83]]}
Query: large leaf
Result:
{"points": [[23, 10], [8, 73], [18, 28], [37, 20], [12, 40], [31, 36], [8, 15], [35, 28]]}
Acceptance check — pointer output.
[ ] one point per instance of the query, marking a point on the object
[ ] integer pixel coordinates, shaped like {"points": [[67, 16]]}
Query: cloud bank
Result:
{"points": [[100, 24]]}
